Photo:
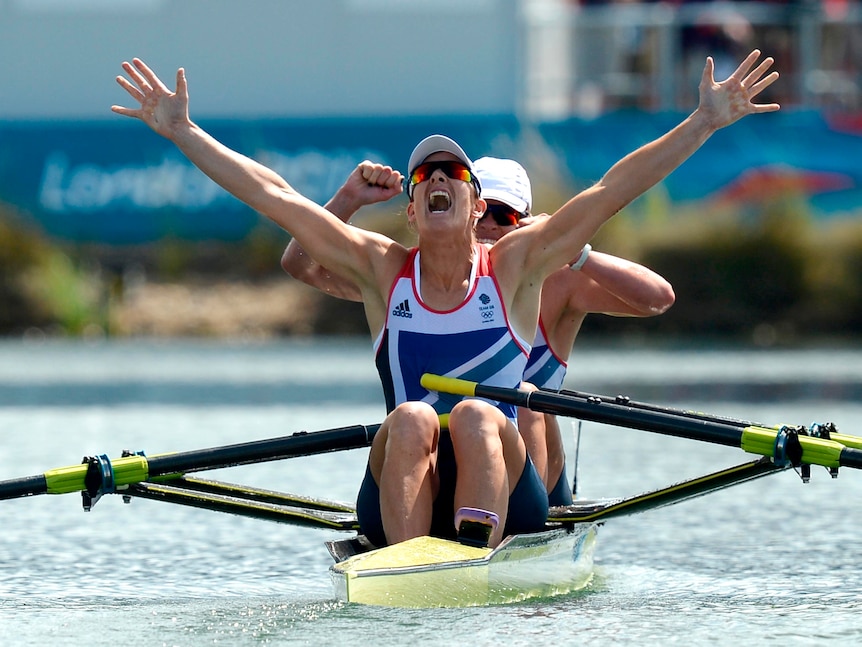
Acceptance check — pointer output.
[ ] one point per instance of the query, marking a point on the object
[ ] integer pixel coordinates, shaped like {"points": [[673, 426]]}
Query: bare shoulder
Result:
{"points": [[393, 255], [508, 255]]}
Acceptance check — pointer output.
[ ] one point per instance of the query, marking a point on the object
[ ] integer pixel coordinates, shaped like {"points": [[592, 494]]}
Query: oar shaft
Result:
{"points": [[24, 486], [626, 416], [134, 469], [699, 415], [298, 444], [850, 457]]}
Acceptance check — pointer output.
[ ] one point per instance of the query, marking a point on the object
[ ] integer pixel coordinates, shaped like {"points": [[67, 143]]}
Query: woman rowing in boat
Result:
{"points": [[473, 308], [594, 282]]}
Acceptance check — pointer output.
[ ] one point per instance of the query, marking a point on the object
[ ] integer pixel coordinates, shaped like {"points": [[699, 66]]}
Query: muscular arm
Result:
{"points": [[367, 184], [608, 284], [615, 286]]}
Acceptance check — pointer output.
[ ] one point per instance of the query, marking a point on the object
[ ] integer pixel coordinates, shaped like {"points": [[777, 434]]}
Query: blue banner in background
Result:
{"points": [[119, 183]]}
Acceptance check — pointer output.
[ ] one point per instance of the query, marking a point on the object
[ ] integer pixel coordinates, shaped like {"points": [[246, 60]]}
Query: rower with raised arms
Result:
{"points": [[592, 282], [479, 307]]}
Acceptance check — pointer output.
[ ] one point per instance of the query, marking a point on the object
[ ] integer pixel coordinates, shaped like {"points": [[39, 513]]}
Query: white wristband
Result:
{"points": [[579, 263]]}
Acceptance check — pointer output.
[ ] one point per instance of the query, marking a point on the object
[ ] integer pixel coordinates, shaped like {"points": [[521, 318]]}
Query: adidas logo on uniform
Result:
{"points": [[402, 310]]}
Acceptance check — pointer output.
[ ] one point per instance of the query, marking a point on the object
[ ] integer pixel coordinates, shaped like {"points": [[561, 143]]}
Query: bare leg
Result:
{"points": [[556, 451], [531, 425], [490, 455], [404, 463]]}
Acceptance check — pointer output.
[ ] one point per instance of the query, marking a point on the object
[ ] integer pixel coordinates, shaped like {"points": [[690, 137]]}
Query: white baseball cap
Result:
{"points": [[506, 181]]}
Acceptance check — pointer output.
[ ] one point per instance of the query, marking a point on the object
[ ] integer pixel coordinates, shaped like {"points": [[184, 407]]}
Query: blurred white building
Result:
{"points": [[537, 59]]}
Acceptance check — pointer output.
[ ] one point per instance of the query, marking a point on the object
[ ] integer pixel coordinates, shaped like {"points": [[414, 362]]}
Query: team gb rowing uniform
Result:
{"points": [[472, 341], [546, 370]]}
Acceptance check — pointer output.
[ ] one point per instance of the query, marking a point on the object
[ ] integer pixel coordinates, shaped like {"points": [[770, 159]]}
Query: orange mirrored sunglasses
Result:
{"points": [[452, 170]]}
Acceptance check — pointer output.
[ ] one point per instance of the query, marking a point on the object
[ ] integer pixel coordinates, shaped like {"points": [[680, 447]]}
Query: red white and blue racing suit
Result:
{"points": [[472, 341]]}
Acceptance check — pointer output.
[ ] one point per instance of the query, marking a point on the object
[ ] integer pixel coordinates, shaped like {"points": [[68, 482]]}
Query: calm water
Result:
{"points": [[770, 560]]}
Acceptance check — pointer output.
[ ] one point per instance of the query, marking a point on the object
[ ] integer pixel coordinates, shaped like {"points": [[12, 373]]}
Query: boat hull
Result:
{"points": [[430, 572]]}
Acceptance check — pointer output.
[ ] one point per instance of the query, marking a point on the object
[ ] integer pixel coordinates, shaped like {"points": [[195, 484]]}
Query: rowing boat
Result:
{"points": [[434, 572]]}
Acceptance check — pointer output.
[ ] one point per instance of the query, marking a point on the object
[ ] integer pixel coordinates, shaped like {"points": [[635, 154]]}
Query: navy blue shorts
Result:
{"points": [[528, 503]]}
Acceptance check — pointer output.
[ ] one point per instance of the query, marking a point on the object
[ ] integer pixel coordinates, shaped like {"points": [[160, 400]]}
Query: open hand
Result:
{"points": [[728, 101], [162, 110]]}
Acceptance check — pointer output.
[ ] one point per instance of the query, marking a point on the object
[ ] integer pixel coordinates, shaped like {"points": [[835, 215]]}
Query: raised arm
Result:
{"points": [[367, 184], [350, 251], [550, 243]]}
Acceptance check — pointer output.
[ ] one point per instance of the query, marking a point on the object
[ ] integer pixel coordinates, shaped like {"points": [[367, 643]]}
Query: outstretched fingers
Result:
{"points": [[147, 79], [741, 71], [138, 88], [762, 84], [135, 93], [162, 109], [754, 84], [136, 77], [752, 78], [727, 101]]}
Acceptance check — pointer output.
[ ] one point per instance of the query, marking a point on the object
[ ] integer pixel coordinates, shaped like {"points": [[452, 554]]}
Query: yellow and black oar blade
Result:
{"points": [[98, 475], [780, 443]]}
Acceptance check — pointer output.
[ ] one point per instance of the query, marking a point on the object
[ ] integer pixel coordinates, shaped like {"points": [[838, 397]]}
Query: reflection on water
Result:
{"points": [[768, 558]]}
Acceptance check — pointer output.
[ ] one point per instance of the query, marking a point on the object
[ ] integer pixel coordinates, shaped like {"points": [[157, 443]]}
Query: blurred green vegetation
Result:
{"points": [[764, 274], [41, 285]]}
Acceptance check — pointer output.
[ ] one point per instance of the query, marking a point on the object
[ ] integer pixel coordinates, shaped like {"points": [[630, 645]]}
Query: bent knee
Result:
{"points": [[476, 419], [472, 407], [413, 421], [414, 409], [475, 414]]}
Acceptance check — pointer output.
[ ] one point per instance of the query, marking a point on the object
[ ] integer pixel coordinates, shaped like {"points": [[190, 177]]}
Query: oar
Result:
{"points": [[332, 516], [827, 430], [782, 444], [585, 510], [646, 406], [100, 475], [250, 493]]}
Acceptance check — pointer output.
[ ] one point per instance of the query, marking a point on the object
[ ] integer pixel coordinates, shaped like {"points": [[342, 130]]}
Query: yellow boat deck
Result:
{"points": [[432, 572]]}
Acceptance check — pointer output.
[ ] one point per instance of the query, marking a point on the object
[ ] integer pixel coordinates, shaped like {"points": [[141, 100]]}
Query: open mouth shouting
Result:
{"points": [[439, 201]]}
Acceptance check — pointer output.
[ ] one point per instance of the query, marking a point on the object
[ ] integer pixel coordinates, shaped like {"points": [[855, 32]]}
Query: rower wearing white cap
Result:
{"points": [[593, 282]]}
